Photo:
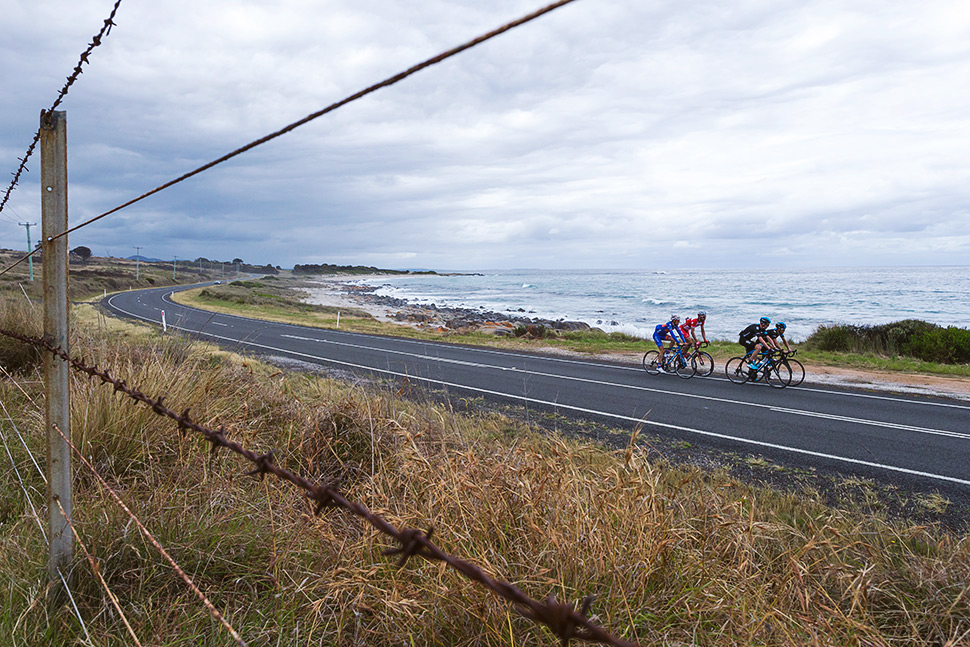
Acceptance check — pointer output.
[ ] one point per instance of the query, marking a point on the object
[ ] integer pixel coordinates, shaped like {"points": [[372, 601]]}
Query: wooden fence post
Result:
{"points": [[53, 160]]}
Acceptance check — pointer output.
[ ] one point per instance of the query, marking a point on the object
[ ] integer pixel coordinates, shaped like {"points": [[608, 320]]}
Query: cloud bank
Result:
{"points": [[604, 135]]}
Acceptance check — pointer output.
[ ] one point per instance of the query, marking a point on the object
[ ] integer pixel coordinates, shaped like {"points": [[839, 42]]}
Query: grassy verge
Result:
{"points": [[872, 361], [675, 555]]}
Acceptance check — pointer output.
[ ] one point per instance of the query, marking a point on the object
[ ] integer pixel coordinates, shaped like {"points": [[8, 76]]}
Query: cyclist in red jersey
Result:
{"points": [[687, 328]]}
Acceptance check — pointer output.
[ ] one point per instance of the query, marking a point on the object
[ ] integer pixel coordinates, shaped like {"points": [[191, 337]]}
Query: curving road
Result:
{"points": [[920, 441]]}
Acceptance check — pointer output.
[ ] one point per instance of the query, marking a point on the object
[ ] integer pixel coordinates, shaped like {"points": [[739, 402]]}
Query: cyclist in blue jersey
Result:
{"points": [[669, 330]]}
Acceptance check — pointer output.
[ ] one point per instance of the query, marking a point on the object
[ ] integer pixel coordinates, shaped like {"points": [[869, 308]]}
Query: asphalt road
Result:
{"points": [[923, 442]]}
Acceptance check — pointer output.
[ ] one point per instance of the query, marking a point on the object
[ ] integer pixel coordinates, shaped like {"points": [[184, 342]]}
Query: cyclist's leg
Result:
{"points": [[658, 340]]}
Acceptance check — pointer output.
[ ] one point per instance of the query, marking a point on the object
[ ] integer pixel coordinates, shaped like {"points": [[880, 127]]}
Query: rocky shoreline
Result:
{"points": [[451, 318]]}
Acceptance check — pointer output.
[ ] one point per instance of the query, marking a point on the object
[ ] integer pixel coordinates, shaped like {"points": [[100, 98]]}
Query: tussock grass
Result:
{"points": [[674, 555]]}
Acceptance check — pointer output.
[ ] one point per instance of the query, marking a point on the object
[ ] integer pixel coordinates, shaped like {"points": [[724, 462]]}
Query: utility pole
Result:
{"points": [[200, 267], [223, 270], [53, 182], [174, 263], [137, 258], [30, 259]]}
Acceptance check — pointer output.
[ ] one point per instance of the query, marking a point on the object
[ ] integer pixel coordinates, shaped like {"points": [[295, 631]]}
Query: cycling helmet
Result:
{"points": [[765, 321], [701, 314], [781, 324], [675, 317]]}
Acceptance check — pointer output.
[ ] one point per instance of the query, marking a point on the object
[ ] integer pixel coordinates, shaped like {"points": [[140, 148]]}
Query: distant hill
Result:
{"points": [[145, 259]]}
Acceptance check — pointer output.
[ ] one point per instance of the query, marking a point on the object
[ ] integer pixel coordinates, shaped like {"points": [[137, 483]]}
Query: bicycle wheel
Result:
{"points": [[703, 364], [651, 362], [797, 371], [684, 368], [736, 371], [778, 375]]}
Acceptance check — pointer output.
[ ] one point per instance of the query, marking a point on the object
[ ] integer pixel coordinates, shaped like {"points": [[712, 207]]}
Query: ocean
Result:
{"points": [[634, 302]]}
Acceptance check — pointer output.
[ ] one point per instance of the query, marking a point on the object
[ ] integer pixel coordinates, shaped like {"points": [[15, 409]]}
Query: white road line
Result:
{"points": [[701, 432], [770, 407], [561, 360]]}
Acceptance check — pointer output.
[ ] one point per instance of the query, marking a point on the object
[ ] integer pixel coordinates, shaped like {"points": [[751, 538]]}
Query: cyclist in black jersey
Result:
{"points": [[753, 338], [776, 333]]}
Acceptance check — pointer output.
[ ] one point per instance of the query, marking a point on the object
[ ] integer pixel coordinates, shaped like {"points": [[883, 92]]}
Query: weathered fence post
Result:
{"points": [[53, 182]]}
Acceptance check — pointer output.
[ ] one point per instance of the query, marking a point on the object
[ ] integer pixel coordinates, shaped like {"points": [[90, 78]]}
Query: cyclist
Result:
{"points": [[669, 330], [778, 332], [753, 338], [687, 328]]}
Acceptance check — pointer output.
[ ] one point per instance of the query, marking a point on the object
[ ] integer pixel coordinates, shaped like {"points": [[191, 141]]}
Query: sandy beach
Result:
{"points": [[338, 292]]}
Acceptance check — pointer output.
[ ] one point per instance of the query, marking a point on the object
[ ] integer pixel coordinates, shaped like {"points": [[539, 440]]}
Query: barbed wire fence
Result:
{"points": [[564, 620]]}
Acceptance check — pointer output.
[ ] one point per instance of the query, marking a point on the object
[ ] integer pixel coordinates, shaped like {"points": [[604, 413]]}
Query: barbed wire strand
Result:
{"points": [[151, 538], [296, 124], [97, 572], [7, 413], [105, 30], [20, 480], [562, 619]]}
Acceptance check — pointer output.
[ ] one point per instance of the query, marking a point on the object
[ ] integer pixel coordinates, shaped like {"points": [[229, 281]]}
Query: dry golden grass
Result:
{"points": [[675, 556]]}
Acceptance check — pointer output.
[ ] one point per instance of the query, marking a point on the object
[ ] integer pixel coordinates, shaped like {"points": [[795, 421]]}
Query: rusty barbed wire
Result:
{"points": [[105, 30], [562, 619]]}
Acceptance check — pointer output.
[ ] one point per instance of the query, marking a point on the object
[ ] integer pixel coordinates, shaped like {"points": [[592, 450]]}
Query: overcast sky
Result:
{"points": [[607, 134]]}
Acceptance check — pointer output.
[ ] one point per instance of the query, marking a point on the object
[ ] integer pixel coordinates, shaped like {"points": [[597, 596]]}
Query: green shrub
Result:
{"points": [[910, 337], [835, 338], [949, 345]]}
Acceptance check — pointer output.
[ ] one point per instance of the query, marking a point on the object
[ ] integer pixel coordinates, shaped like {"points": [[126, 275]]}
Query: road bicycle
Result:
{"points": [[770, 368], [702, 361], [797, 370], [672, 360]]}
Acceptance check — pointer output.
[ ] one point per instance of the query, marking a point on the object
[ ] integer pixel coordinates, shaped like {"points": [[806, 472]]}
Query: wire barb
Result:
{"points": [[413, 543], [264, 464]]}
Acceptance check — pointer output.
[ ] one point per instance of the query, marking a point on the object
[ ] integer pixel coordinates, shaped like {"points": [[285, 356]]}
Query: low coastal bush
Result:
{"points": [[910, 337]]}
